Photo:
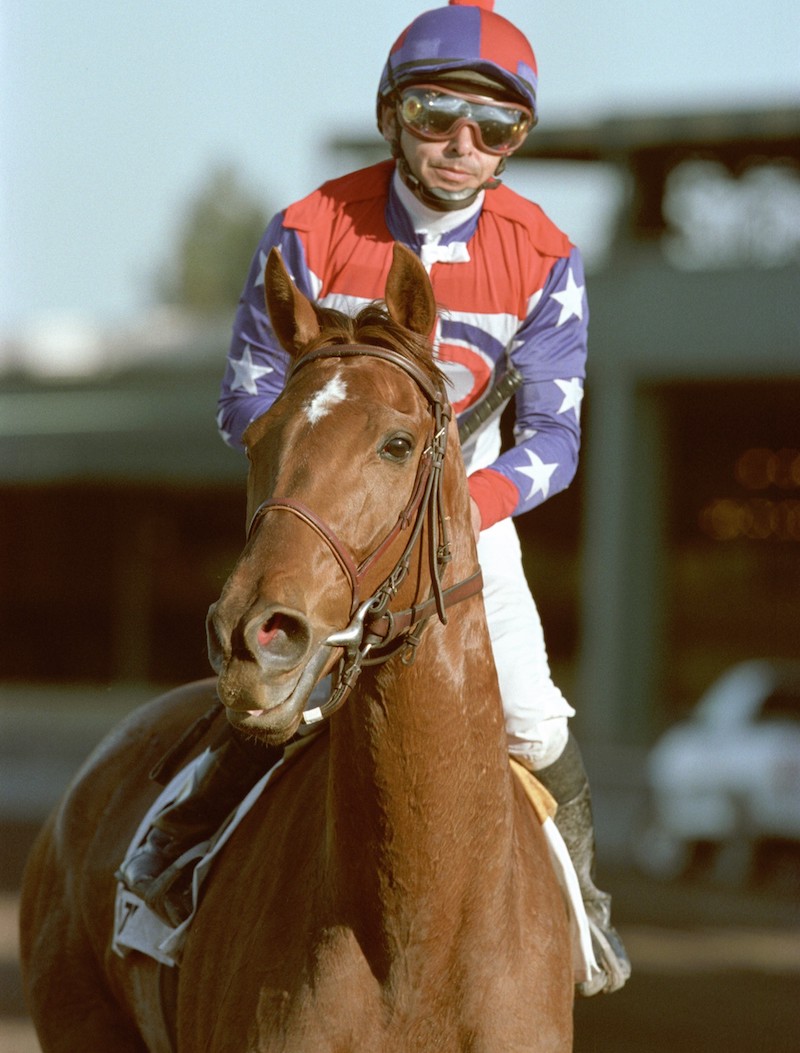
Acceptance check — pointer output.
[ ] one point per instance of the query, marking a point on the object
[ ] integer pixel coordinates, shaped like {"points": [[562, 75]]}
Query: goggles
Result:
{"points": [[432, 112]]}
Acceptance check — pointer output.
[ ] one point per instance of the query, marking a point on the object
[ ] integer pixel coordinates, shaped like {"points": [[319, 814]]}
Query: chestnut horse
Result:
{"points": [[391, 892]]}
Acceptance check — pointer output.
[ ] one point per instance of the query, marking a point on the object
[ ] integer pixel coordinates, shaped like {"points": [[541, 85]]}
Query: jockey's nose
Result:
{"points": [[463, 140]]}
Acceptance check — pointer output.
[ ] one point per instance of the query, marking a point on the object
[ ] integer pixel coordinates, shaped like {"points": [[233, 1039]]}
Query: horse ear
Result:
{"points": [[409, 294], [292, 314]]}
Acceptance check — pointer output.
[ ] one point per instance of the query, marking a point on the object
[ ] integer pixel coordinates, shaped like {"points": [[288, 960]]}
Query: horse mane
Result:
{"points": [[374, 326]]}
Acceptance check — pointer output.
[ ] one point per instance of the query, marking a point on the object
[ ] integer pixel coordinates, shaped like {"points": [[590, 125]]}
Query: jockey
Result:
{"points": [[457, 97]]}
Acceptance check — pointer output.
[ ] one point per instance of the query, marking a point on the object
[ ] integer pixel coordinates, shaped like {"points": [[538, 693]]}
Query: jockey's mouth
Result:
{"points": [[457, 172]]}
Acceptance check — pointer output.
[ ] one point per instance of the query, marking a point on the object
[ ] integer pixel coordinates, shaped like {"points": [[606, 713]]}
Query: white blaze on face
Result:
{"points": [[334, 391]]}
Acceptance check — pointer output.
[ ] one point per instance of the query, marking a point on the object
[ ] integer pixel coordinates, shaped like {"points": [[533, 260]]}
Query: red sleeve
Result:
{"points": [[495, 496]]}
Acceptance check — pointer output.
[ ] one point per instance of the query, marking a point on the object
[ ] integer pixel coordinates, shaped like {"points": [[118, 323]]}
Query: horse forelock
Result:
{"points": [[374, 327]]}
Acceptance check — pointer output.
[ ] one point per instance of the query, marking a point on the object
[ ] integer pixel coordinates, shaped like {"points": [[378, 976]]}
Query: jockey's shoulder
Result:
{"points": [[508, 206], [361, 185]]}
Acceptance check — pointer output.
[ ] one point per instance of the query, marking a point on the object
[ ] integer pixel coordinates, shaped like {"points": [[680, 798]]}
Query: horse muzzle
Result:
{"points": [[260, 656]]}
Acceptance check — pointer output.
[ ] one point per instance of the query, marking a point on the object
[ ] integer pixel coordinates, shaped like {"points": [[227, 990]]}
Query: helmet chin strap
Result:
{"points": [[442, 200]]}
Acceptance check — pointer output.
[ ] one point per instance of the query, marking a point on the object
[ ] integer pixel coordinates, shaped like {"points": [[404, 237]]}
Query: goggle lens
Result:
{"points": [[437, 114]]}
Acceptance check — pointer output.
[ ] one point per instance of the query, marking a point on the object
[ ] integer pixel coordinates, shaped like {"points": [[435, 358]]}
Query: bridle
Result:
{"points": [[375, 633]]}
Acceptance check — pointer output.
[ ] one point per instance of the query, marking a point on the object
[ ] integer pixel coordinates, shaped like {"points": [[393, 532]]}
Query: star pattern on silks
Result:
{"points": [[262, 263], [246, 373], [573, 395], [539, 473], [571, 300], [225, 435]]}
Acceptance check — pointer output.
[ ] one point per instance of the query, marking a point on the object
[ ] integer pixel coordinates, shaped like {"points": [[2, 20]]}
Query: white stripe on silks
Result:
{"points": [[500, 326], [349, 305], [316, 284], [533, 301]]}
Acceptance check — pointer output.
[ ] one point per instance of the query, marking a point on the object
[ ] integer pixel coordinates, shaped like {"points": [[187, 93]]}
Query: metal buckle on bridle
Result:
{"points": [[411, 642], [356, 650]]}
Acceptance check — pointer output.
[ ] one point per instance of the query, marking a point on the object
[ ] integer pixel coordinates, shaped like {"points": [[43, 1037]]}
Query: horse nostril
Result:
{"points": [[278, 637], [270, 629]]}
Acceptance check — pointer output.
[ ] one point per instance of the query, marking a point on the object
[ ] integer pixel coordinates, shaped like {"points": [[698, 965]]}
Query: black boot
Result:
{"points": [[566, 780], [156, 872]]}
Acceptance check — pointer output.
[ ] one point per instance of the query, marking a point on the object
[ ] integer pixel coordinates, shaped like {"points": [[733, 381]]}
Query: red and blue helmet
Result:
{"points": [[466, 36]]}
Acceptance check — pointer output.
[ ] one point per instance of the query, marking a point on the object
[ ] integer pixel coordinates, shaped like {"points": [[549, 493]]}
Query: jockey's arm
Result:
{"points": [[550, 353], [256, 367]]}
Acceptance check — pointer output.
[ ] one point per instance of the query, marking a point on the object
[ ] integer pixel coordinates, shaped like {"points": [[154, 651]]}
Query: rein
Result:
{"points": [[375, 633]]}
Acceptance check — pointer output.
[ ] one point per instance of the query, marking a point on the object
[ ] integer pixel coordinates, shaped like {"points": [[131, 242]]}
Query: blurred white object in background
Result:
{"points": [[728, 777]]}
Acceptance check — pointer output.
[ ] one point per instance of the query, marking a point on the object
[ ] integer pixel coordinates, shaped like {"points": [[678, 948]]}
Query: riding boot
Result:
{"points": [[157, 871], [566, 780]]}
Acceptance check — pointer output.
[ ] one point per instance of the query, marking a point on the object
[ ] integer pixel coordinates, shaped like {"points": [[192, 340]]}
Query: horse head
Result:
{"points": [[340, 479]]}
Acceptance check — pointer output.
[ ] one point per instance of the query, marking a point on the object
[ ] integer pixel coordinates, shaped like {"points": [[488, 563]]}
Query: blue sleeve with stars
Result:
{"points": [[550, 352], [256, 366]]}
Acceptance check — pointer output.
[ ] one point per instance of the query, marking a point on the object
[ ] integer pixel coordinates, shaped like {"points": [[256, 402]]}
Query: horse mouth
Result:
{"points": [[255, 703], [275, 725]]}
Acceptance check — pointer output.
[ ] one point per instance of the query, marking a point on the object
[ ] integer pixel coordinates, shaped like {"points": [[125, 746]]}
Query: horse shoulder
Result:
{"points": [[266, 897]]}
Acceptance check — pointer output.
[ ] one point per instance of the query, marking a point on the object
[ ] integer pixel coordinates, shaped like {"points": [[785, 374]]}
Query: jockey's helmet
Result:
{"points": [[466, 48], [468, 38]]}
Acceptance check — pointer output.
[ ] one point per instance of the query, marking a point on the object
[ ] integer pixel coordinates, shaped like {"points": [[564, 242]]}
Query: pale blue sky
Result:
{"points": [[111, 113]]}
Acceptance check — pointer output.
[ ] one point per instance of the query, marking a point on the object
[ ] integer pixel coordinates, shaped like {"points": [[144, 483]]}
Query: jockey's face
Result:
{"points": [[453, 165]]}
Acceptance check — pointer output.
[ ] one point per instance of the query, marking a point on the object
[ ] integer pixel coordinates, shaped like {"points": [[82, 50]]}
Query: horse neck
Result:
{"points": [[419, 785]]}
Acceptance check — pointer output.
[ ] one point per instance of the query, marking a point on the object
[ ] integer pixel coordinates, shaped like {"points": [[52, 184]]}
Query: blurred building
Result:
{"points": [[675, 553], [122, 510]]}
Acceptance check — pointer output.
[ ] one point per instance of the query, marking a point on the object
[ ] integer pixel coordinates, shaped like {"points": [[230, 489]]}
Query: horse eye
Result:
{"points": [[397, 449]]}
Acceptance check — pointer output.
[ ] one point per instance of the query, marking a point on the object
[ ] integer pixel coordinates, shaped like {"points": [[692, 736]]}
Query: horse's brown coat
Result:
{"points": [[392, 892]]}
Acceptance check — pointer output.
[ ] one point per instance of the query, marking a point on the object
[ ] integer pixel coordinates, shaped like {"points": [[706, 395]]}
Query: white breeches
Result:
{"points": [[536, 712]]}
